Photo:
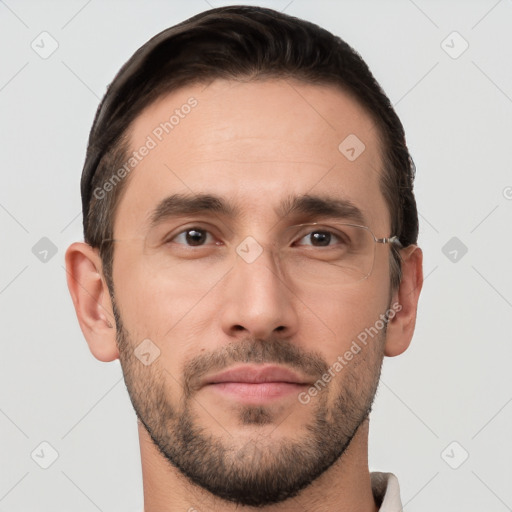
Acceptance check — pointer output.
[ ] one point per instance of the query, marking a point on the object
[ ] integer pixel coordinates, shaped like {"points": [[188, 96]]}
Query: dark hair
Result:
{"points": [[238, 43]]}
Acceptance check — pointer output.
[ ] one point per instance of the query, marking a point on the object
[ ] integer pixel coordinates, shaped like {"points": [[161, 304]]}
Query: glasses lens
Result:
{"points": [[327, 255], [192, 258]]}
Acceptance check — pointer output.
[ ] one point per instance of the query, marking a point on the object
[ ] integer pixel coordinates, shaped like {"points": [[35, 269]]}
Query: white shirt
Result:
{"points": [[386, 492]]}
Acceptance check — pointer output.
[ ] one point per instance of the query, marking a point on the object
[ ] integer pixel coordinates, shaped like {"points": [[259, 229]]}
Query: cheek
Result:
{"points": [[344, 314], [151, 303], [153, 307]]}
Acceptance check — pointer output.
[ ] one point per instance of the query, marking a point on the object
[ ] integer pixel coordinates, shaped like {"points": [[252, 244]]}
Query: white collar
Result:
{"points": [[386, 491]]}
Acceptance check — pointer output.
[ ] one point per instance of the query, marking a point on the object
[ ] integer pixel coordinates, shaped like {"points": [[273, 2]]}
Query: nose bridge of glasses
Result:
{"points": [[259, 249]]}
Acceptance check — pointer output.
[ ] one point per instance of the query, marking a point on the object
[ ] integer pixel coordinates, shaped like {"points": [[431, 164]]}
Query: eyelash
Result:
{"points": [[200, 229]]}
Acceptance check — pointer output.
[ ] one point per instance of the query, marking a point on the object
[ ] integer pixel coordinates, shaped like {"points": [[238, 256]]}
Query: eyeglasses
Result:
{"points": [[313, 254]]}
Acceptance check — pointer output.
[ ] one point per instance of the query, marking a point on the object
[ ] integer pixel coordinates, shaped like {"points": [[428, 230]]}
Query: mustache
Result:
{"points": [[252, 350]]}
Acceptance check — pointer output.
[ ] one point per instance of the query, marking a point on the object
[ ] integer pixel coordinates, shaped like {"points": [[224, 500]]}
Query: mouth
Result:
{"points": [[256, 392], [256, 383]]}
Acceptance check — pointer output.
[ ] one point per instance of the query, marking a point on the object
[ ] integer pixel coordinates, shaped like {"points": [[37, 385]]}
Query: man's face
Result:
{"points": [[212, 300]]}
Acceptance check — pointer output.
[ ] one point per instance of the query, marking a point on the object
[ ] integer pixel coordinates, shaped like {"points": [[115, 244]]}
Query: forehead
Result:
{"points": [[256, 144]]}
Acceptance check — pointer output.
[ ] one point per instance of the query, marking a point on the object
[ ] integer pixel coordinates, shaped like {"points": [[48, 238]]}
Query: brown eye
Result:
{"points": [[192, 236], [321, 238]]}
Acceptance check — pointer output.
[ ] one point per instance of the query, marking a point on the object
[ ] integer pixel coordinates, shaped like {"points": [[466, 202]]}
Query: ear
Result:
{"points": [[91, 299], [401, 327]]}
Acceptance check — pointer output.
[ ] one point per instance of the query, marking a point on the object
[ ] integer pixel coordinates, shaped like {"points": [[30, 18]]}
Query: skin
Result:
{"points": [[254, 144]]}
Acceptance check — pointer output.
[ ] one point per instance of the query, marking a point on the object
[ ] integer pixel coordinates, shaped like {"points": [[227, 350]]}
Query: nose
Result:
{"points": [[256, 299]]}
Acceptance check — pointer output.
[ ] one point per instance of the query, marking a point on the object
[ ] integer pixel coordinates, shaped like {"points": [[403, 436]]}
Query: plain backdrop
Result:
{"points": [[442, 417]]}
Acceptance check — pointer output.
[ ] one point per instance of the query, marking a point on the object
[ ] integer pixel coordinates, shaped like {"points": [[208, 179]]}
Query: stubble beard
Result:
{"points": [[258, 473]]}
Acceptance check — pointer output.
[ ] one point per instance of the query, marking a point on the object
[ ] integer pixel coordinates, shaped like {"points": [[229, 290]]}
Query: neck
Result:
{"points": [[344, 487]]}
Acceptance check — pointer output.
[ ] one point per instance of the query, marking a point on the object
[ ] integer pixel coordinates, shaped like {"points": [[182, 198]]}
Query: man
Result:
{"points": [[250, 257]]}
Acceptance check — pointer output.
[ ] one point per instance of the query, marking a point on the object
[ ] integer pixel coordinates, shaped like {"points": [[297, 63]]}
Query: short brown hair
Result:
{"points": [[240, 43]]}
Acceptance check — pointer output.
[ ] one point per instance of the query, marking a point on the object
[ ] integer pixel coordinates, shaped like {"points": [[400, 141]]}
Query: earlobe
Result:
{"points": [[91, 299], [400, 328]]}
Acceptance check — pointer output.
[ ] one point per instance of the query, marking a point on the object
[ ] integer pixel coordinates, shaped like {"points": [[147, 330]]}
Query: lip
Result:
{"points": [[256, 384], [257, 374]]}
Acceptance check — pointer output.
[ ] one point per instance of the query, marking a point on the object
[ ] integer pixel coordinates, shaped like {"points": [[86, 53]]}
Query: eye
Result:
{"points": [[193, 237], [322, 238]]}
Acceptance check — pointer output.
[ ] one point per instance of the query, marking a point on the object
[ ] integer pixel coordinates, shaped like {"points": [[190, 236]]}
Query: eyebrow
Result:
{"points": [[306, 205], [320, 206]]}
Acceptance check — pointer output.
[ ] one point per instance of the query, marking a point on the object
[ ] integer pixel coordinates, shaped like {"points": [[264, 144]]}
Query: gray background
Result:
{"points": [[452, 385]]}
